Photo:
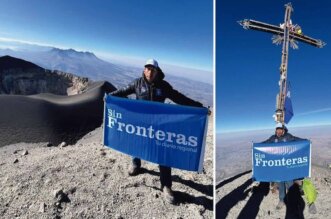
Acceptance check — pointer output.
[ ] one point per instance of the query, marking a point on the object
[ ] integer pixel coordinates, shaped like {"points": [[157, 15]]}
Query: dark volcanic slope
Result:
{"points": [[20, 77], [51, 118], [8, 62]]}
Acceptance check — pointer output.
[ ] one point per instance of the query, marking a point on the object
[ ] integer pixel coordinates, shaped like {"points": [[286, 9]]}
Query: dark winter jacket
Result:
{"points": [[284, 138], [158, 91]]}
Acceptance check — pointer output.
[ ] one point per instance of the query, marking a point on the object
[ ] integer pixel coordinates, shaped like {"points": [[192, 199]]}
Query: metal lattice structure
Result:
{"points": [[287, 34]]}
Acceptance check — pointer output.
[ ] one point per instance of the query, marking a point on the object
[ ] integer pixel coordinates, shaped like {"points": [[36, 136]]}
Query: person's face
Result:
{"points": [[149, 73], [279, 132]]}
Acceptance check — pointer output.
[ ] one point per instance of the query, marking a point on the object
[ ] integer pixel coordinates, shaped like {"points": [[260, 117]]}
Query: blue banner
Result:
{"points": [[166, 134], [282, 161]]}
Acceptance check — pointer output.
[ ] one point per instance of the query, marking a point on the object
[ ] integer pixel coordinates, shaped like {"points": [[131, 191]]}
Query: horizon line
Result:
{"points": [[99, 54], [262, 129]]}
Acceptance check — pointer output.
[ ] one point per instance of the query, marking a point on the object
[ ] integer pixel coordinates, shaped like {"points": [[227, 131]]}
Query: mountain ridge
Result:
{"points": [[18, 76], [9, 62], [72, 52], [86, 64]]}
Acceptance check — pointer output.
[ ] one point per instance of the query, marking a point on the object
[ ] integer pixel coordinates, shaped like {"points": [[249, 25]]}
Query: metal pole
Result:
{"points": [[283, 67]]}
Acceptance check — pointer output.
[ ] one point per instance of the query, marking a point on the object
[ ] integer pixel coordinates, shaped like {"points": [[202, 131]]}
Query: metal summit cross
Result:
{"points": [[286, 33]]}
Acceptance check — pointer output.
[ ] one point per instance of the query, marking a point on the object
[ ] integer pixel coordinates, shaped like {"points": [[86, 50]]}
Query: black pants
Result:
{"points": [[165, 173]]}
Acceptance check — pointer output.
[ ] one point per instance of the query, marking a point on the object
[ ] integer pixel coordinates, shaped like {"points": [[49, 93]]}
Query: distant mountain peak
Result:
{"points": [[73, 53]]}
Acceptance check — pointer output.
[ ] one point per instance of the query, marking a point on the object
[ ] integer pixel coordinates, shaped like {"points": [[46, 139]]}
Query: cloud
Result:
{"points": [[18, 43], [314, 111], [11, 40]]}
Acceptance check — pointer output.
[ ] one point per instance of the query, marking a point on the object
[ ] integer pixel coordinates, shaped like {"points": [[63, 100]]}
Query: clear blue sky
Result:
{"points": [[247, 65], [176, 32]]}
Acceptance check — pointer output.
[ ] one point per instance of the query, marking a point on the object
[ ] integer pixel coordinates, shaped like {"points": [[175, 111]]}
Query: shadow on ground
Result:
{"points": [[182, 197], [295, 205], [252, 206]]}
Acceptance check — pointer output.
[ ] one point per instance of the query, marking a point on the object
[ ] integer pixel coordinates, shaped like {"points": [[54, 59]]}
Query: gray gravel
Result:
{"points": [[88, 180]]}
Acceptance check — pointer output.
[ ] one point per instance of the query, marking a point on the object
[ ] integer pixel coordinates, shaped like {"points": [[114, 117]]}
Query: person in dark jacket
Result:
{"points": [[151, 86], [282, 135]]}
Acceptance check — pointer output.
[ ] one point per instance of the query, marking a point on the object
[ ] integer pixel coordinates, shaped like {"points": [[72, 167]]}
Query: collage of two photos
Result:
{"points": [[165, 109], [272, 151]]}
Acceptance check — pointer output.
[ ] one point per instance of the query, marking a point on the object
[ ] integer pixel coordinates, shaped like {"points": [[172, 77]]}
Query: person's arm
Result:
{"points": [[125, 91], [269, 140], [294, 138], [179, 98]]}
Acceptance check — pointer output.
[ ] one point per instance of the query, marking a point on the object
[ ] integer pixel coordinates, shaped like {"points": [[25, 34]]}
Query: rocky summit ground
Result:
{"points": [[88, 180], [239, 197]]}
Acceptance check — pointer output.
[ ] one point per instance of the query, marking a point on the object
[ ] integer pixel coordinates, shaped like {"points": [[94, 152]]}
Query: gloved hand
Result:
{"points": [[104, 97], [209, 111]]}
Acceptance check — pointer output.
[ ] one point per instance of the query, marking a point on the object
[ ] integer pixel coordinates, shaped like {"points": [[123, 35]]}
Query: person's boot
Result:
{"points": [[134, 171], [168, 195], [280, 205], [312, 208]]}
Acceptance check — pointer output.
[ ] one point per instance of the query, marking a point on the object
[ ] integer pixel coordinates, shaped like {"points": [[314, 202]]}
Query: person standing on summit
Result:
{"points": [[282, 135], [151, 86]]}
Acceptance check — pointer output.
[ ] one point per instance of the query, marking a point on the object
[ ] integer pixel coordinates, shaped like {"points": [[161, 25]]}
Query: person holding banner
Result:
{"points": [[282, 135], [151, 86]]}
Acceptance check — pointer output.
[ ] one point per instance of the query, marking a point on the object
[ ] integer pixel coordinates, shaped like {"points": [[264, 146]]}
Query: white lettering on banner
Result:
{"points": [[177, 147], [112, 113], [261, 161], [149, 132]]}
